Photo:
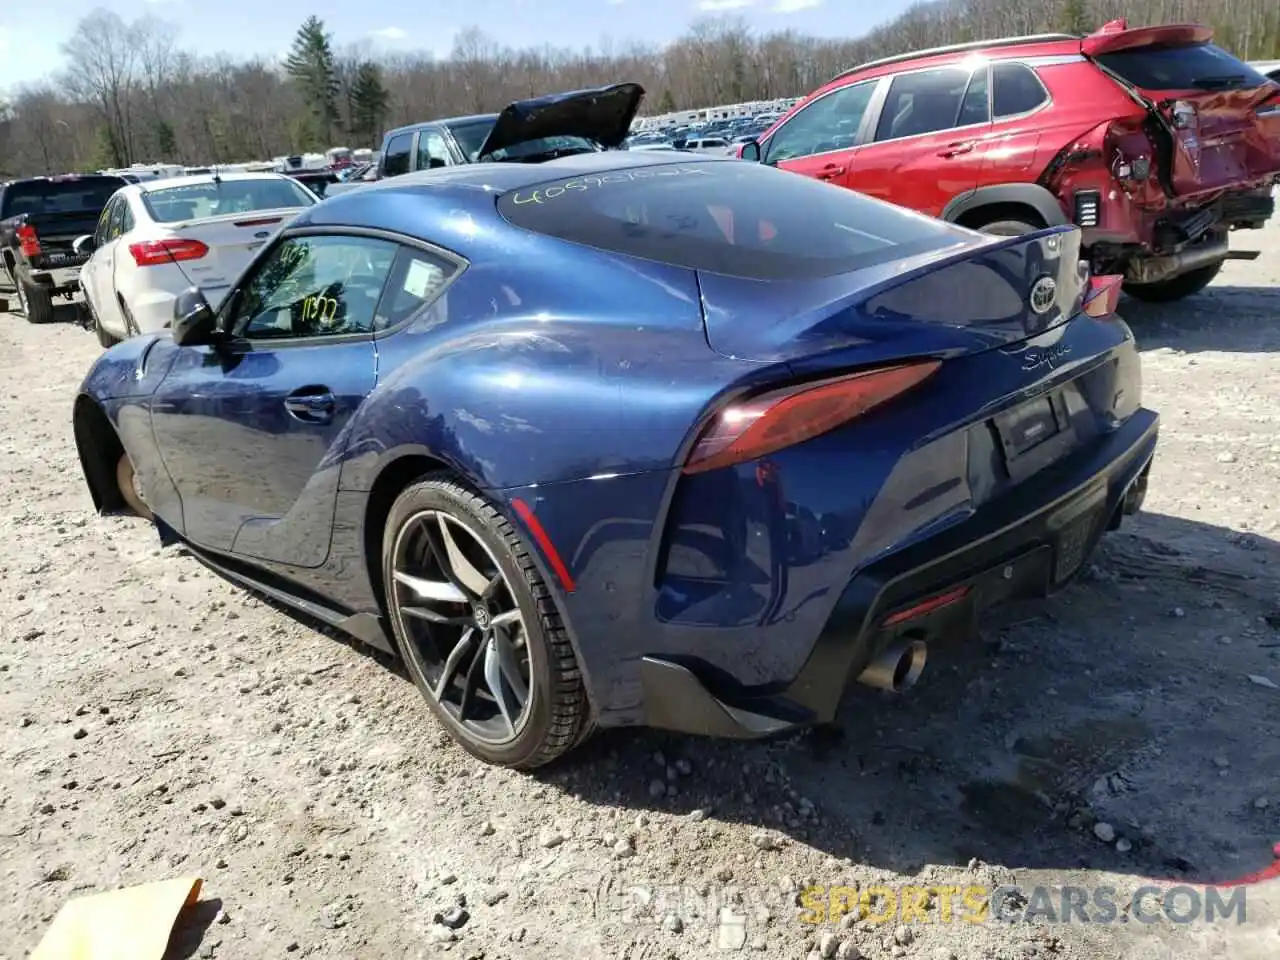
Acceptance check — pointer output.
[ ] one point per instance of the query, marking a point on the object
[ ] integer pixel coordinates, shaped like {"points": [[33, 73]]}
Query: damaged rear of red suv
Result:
{"points": [[1154, 141]]}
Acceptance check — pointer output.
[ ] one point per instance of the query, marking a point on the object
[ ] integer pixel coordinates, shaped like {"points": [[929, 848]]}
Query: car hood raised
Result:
{"points": [[603, 114]]}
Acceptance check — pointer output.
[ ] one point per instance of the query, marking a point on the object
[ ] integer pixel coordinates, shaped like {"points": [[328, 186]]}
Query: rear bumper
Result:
{"points": [[57, 279], [1028, 544]]}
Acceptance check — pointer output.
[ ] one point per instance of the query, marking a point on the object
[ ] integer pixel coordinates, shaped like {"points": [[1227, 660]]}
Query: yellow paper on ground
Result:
{"points": [[133, 923]]}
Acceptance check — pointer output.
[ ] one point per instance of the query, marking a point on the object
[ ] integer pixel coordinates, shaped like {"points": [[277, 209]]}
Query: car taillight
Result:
{"points": [[28, 242], [150, 253], [1102, 295], [761, 425]]}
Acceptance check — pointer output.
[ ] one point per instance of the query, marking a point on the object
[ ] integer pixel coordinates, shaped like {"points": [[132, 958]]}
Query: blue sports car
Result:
{"points": [[633, 438]]}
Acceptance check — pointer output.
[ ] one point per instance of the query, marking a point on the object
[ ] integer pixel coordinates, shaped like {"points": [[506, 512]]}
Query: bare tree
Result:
{"points": [[104, 53]]}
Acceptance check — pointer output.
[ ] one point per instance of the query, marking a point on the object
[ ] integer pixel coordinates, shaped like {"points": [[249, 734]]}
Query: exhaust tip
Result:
{"points": [[898, 668]]}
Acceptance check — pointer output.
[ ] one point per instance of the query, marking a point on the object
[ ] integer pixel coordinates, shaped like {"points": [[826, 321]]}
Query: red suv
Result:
{"points": [[1154, 141]]}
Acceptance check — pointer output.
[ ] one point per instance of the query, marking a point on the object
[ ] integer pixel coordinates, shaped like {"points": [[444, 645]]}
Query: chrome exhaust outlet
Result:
{"points": [[896, 669]]}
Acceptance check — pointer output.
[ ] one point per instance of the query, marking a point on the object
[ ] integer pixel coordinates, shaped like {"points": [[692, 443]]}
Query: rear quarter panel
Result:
{"points": [[516, 376], [1083, 97]]}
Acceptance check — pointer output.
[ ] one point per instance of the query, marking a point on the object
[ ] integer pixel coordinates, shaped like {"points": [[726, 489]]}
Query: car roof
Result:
{"points": [[438, 205], [164, 183], [422, 125], [501, 177], [1044, 44]]}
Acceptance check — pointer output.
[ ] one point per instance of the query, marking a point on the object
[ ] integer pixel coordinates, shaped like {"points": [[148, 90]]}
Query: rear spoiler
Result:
{"points": [[250, 218], [1116, 37]]}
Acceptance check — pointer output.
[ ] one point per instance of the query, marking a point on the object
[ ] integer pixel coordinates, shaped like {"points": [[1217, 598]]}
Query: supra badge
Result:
{"points": [[1045, 358]]}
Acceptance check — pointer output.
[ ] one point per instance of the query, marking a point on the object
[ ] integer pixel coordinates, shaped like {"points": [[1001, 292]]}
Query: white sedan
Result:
{"points": [[157, 238]]}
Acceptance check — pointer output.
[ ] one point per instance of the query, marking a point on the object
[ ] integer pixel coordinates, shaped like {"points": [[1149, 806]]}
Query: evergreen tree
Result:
{"points": [[166, 140], [666, 103], [369, 102], [311, 65]]}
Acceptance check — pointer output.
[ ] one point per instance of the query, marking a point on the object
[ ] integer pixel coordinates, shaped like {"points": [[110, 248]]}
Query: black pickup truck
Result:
{"points": [[40, 219]]}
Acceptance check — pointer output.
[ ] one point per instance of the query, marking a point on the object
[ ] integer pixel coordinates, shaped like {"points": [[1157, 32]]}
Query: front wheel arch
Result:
{"points": [[99, 448]]}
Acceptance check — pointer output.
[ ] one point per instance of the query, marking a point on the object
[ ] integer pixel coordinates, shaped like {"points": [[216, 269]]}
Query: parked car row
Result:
{"points": [[593, 437]]}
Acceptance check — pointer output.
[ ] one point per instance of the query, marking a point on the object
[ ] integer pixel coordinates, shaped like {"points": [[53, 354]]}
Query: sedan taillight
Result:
{"points": [[151, 253], [761, 425]]}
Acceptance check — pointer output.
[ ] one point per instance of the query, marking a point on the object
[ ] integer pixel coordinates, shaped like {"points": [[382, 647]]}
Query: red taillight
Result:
{"points": [[765, 424], [265, 221], [927, 606], [150, 253], [28, 242], [1103, 295]]}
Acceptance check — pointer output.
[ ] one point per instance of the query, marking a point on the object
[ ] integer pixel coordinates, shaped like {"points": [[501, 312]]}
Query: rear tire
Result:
{"points": [[1008, 228], [130, 325], [1175, 288], [448, 661], [105, 338], [34, 301]]}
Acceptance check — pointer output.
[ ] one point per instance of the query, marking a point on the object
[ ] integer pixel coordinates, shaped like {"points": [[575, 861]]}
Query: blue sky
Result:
{"points": [[31, 32]]}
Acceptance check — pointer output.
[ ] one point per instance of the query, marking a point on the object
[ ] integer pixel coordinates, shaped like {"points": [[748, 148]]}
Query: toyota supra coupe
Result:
{"points": [[633, 438]]}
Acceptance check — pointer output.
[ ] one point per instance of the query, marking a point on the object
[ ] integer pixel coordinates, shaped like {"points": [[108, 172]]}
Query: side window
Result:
{"points": [[432, 150], [126, 222], [416, 278], [924, 102], [103, 230], [395, 160], [830, 123], [975, 108], [116, 226], [315, 286], [1016, 89]]}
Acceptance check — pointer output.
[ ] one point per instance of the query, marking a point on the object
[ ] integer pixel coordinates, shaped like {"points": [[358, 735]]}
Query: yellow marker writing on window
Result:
{"points": [[321, 308]]}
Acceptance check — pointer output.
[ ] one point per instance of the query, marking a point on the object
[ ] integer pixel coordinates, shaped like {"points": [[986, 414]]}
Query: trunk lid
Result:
{"points": [[603, 114], [232, 240], [1222, 116], [986, 294]]}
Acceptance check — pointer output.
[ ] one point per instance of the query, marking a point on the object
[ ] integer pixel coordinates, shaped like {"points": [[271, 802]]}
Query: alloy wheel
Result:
{"points": [[130, 487], [463, 625]]}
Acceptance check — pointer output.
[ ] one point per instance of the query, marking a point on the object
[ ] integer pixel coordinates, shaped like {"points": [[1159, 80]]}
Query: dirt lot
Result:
{"points": [[156, 722]]}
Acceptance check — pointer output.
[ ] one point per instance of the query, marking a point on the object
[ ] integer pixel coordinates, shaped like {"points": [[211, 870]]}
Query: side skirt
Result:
{"points": [[368, 628]]}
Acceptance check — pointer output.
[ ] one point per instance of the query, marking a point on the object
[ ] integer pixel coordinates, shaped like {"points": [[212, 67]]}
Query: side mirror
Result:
{"points": [[751, 151], [194, 322], [83, 245]]}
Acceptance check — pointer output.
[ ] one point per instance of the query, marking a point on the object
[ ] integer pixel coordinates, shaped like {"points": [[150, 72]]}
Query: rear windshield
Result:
{"points": [[194, 201], [729, 217], [1201, 66], [79, 195]]}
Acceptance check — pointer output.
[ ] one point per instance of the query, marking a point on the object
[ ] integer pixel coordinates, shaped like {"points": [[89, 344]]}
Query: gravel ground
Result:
{"points": [[156, 722]]}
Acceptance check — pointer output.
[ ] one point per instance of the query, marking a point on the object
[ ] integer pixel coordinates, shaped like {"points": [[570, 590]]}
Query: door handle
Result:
{"points": [[311, 407], [831, 171], [955, 149]]}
